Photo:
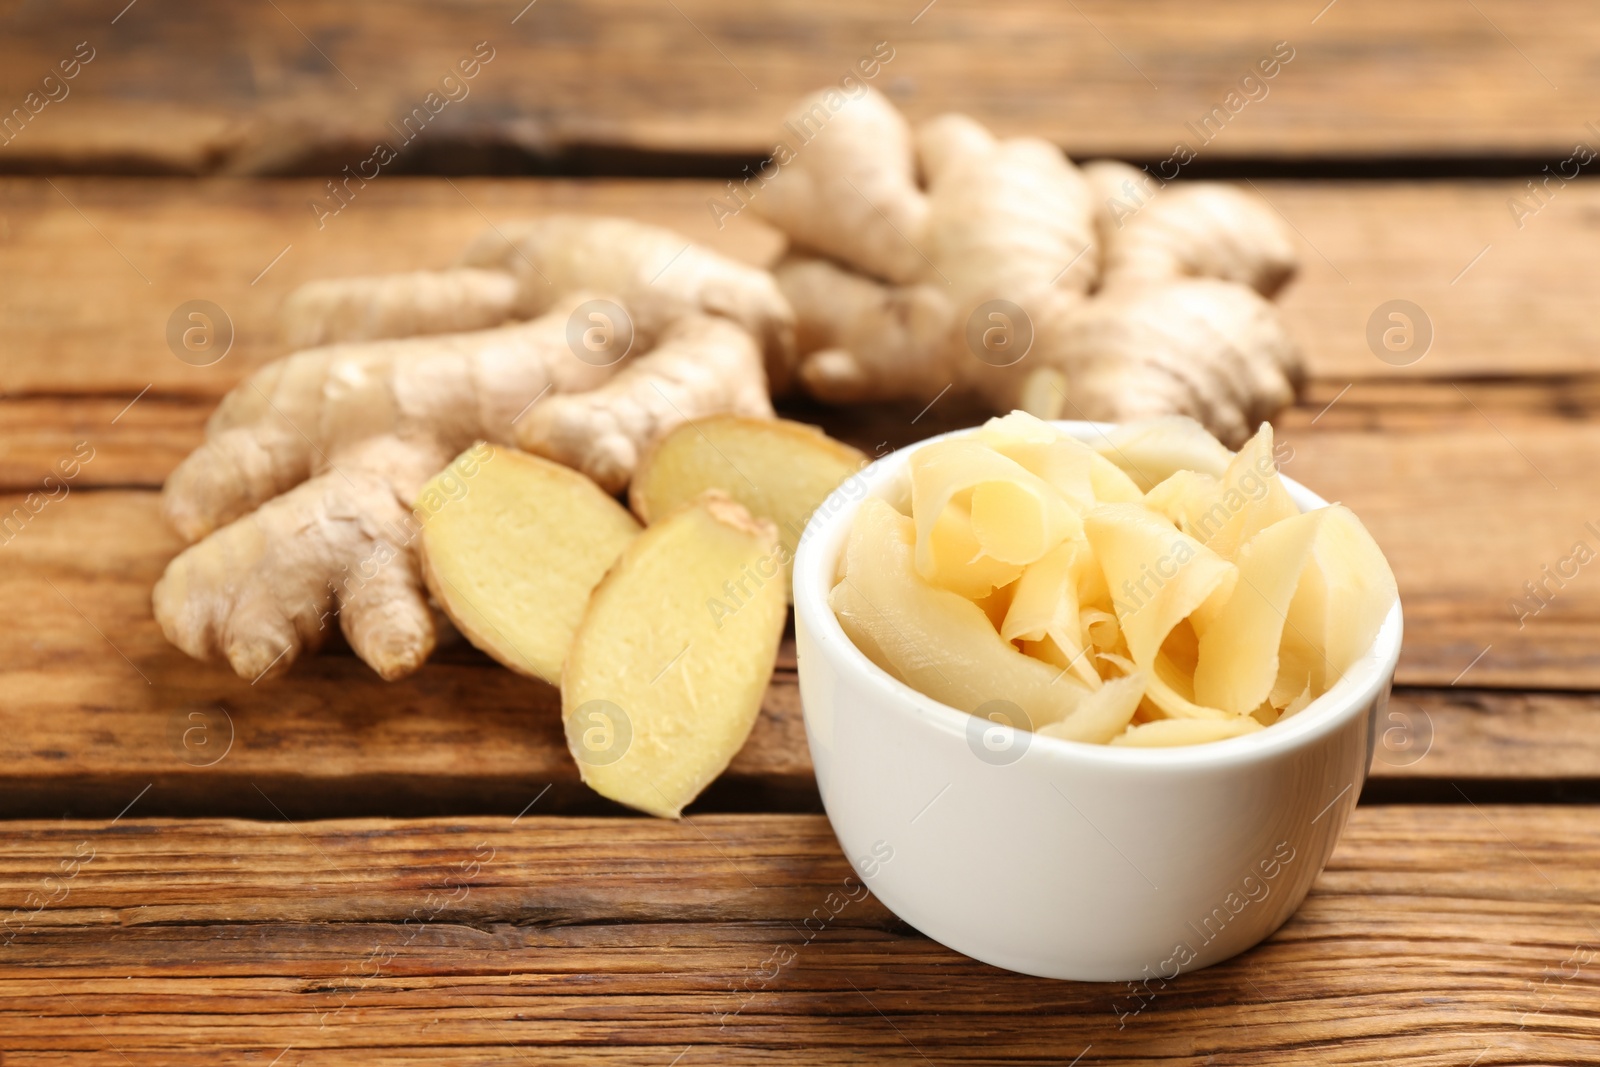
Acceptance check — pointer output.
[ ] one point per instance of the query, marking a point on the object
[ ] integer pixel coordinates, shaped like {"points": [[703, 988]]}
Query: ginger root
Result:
{"points": [[309, 488], [1014, 276], [522, 269], [702, 365], [397, 305], [940, 256]]}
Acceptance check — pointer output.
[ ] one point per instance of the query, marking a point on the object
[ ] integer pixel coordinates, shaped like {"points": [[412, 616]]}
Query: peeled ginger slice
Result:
{"points": [[1251, 497], [1015, 523], [1152, 450], [1041, 449], [1102, 715], [1157, 576], [1083, 476], [1164, 733], [934, 640], [1238, 661], [1022, 521], [1189, 498], [957, 561], [661, 689], [1344, 595], [1044, 604], [513, 553], [1313, 591], [1111, 485]]}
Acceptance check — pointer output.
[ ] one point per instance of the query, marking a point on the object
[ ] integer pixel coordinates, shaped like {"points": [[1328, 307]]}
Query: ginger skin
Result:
{"points": [[519, 270], [302, 497], [308, 476], [1107, 315], [397, 305]]}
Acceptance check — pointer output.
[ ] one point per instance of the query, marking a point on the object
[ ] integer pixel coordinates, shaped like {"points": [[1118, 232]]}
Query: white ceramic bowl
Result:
{"points": [[1057, 858]]}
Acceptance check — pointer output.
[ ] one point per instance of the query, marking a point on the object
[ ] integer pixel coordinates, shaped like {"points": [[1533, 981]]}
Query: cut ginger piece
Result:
{"points": [[936, 641], [1250, 497], [1041, 449], [1344, 595], [1188, 498], [1104, 714], [1158, 577], [669, 665], [1238, 656], [956, 559], [1314, 590], [1164, 733], [515, 549], [1081, 474], [776, 469], [1016, 515], [1044, 604], [1152, 450]]}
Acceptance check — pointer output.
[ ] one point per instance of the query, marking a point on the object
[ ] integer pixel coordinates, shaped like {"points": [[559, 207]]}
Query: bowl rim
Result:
{"points": [[815, 562]]}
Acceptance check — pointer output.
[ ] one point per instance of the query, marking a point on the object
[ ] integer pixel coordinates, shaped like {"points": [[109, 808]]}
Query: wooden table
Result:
{"points": [[331, 869]]}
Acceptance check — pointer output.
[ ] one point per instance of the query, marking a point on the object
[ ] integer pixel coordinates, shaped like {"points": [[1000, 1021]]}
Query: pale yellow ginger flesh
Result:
{"points": [[936, 641], [667, 671], [1204, 608], [515, 550], [942, 256], [779, 470]]}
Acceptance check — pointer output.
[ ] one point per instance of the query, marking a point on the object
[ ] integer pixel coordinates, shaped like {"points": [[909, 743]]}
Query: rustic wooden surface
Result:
{"points": [[1458, 922], [633, 941], [306, 86], [1471, 485]]}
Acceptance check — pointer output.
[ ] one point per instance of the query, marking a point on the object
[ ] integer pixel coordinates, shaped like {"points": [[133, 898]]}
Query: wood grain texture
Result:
{"points": [[298, 84], [97, 267], [1436, 935]]}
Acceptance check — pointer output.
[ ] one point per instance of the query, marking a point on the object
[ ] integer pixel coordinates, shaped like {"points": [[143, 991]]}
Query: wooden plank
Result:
{"points": [[98, 267], [301, 85], [1435, 936], [129, 442], [1473, 736], [95, 705]]}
